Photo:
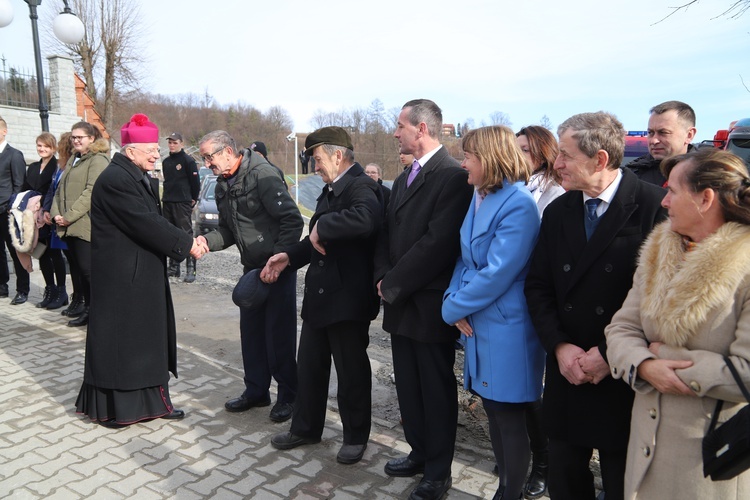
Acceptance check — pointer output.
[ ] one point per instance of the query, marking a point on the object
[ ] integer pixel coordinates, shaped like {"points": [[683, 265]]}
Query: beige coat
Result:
{"points": [[698, 305]]}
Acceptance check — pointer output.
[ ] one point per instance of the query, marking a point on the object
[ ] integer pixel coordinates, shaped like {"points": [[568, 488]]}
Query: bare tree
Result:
{"points": [[500, 118], [109, 56], [546, 123], [736, 9]]}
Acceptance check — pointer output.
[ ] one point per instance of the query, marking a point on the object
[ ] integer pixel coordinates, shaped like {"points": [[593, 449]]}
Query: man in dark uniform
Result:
{"points": [[181, 191], [671, 128], [580, 273], [414, 263], [340, 297]]}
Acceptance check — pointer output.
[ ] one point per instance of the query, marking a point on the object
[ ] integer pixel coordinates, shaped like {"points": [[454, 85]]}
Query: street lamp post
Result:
{"points": [[67, 28], [293, 137]]}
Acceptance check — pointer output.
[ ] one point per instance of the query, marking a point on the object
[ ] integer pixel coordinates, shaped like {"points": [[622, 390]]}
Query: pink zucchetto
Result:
{"points": [[139, 130]]}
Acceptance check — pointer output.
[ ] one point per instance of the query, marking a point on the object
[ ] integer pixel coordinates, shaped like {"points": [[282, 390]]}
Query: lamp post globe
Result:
{"points": [[6, 13], [68, 28]]}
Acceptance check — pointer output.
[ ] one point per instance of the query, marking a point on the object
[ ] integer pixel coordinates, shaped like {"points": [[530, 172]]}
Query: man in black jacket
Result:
{"points": [[181, 190], [340, 298], [257, 214], [414, 263], [671, 128], [580, 273], [12, 175]]}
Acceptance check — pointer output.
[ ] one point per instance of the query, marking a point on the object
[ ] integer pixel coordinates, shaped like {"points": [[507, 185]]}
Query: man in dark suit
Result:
{"points": [[340, 297], [581, 272], [413, 266], [12, 175]]}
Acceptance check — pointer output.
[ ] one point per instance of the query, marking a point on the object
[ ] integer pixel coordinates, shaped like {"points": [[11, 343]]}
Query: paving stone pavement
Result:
{"points": [[48, 451]]}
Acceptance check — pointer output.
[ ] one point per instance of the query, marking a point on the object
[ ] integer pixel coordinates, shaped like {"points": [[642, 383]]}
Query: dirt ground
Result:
{"points": [[208, 324]]}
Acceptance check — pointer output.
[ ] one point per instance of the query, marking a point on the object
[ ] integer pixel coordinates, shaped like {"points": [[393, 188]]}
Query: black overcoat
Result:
{"points": [[131, 342], [339, 285], [418, 248], [573, 289]]}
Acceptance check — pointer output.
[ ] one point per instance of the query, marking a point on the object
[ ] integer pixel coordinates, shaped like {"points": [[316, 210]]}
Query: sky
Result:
{"points": [[526, 59]]}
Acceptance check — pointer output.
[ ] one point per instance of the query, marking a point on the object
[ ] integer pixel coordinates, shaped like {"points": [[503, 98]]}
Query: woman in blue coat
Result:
{"points": [[504, 360]]}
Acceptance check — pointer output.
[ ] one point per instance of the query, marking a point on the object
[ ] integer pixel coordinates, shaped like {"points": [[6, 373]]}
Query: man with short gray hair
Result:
{"points": [[580, 273], [257, 214], [671, 128]]}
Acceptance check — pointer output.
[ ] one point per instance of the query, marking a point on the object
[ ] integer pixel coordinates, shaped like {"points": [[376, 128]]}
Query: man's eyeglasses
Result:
{"points": [[150, 151], [78, 137], [208, 158]]}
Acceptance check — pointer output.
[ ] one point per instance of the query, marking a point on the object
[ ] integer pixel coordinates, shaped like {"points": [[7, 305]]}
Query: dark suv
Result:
{"points": [[205, 213], [738, 141]]}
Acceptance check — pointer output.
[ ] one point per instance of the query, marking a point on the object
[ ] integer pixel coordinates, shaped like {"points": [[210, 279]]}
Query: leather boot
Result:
{"points": [[49, 294], [190, 271], [81, 320], [536, 484], [174, 269], [59, 299], [76, 306]]}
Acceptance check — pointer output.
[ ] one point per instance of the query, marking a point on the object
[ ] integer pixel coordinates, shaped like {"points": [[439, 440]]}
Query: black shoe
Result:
{"points": [[403, 467], [431, 490], [351, 453], [536, 484], [281, 412], [59, 299], [287, 441], [50, 291], [175, 415], [3, 291], [20, 298], [243, 404], [76, 307], [81, 320], [111, 424]]}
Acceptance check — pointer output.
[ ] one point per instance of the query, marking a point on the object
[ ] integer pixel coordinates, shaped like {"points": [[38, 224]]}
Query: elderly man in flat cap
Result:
{"points": [[340, 298]]}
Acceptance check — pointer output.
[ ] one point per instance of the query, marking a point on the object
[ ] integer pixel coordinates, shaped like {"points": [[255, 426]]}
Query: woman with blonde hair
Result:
{"points": [[504, 359], [689, 307]]}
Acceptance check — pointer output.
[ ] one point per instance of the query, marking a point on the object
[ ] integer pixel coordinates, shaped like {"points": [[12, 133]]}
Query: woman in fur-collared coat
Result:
{"points": [[689, 307]]}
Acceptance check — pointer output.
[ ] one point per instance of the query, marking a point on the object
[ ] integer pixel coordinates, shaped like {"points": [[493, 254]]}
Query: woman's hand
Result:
{"points": [[660, 373], [464, 327]]}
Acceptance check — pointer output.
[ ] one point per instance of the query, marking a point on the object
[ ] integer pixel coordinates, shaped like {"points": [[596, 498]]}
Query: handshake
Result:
{"points": [[200, 247]]}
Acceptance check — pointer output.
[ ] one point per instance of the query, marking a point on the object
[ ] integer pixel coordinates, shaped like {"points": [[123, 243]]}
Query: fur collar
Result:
{"points": [[681, 289]]}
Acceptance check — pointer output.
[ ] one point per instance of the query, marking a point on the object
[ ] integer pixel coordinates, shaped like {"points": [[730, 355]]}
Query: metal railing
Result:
{"points": [[18, 88]]}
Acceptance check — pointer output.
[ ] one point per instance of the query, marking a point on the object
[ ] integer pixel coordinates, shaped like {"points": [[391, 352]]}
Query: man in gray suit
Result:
{"points": [[12, 175], [413, 266]]}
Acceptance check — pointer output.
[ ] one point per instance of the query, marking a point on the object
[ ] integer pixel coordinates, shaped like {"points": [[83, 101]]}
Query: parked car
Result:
{"points": [[205, 213], [636, 145]]}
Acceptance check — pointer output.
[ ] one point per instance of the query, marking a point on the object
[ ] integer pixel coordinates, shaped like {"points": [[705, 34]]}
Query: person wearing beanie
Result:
{"points": [[260, 148], [257, 214], [340, 298], [180, 193], [131, 342]]}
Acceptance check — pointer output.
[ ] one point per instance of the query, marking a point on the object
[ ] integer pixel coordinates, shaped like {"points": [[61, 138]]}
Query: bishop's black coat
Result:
{"points": [[131, 342]]}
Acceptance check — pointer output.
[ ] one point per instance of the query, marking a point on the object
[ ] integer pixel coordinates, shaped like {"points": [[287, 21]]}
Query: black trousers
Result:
{"points": [[22, 275], [178, 213], [428, 398], [80, 264], [347, 343], [268, 336], [570, 477]]}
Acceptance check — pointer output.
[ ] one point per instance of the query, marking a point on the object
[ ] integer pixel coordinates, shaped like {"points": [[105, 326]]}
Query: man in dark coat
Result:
{"points": [[580, 273], [12, 175], [257, 214], [131, 342], [414, 262], [375, 173], [671, 128], [181, 191], [340, 297]]}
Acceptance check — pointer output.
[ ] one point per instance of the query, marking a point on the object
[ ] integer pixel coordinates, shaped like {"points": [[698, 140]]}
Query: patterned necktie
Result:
{"points": [[415, 168], [591, 206]]}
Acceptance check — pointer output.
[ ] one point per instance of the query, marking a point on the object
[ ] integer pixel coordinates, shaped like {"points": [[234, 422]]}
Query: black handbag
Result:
{"points": [[726, 450]]}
